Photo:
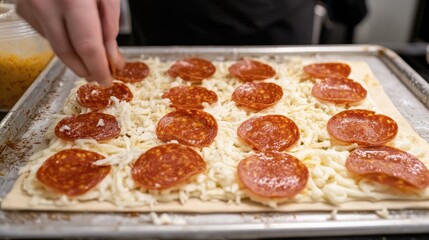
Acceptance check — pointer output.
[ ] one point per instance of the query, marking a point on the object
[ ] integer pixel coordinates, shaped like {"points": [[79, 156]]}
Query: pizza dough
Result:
{"points": [[330, 185]]}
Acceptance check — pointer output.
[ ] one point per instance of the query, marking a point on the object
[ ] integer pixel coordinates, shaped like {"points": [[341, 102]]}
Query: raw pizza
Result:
{"points": [[202, 135]]}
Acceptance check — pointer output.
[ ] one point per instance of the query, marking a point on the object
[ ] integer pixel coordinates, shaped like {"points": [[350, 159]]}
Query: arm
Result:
{"points": [[82, 33]]}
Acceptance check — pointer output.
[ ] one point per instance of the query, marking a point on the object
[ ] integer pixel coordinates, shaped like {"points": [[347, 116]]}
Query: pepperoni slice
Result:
{"points": [[192, 69], [328, 69], [98, 97], [72, 172], [257, 95], [269, 133], [363, 127], [273, 175], [166, 166], [190, 96], [250, 70], [339, 90], [95, 125], [389, 166], [132, 72], [190, 127]]}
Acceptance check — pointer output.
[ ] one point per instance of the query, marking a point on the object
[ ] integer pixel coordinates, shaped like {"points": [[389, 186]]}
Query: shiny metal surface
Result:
{"points": [[21, 133]]}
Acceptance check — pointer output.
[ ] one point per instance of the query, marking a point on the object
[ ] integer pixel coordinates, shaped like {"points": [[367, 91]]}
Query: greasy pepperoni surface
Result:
{"points": [[269, 133], [273, 175], [389, 166], [192, 69], [132, 72], [363, 127], [98, 97], [166, 166], [95, 125], [72, 172], [257, 95], [339, 90], [190, 127], [190, 96], [249, 70], [329, 69]]}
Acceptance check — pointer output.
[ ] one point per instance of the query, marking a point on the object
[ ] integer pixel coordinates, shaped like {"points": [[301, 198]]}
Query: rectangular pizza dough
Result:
{"points": [[18, 199]]}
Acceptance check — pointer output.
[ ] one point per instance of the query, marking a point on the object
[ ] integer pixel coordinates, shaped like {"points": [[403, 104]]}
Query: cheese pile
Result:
{"points": [[329, 180]]}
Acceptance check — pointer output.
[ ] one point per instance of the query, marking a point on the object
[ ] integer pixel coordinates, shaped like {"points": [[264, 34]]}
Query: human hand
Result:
{"points": [[82, 33]]}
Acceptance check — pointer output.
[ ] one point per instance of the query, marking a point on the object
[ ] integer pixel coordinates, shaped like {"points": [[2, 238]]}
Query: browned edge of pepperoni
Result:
{"points": [[88, 126], [273, 175], [166, 166], [389, 166], [72, 172], [257, 95], [250, 70], [339, 90], [190, 96], [269, 133], [192, 69], [132, 72], [328, 69], [363, 127], [97, 97], [190, 127]]}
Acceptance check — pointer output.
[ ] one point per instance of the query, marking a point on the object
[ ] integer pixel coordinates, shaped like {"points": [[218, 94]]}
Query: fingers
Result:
{"points": [[21, 9], [115, 55], [76, 32], [109, 16], [54, 30], [87, 39]]}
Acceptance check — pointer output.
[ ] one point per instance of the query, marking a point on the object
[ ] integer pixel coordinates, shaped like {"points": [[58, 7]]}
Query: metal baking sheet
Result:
{"points": [[21, 134]]}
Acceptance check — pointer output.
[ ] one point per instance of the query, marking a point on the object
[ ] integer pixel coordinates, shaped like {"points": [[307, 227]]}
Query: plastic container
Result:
{"points": [[23, 55]]}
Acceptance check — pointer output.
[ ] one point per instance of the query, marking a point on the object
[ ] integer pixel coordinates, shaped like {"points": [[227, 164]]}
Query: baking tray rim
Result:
{"points": [[234, 230]]}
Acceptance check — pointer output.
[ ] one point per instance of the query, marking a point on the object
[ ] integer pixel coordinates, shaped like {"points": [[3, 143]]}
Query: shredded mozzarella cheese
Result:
{"points": [[64, 128], [383, 213], [329, 179], [100, 123]]}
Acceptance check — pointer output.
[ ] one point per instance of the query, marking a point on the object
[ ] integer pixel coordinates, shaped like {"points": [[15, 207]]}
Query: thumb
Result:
{"points": [[116, 59]]}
